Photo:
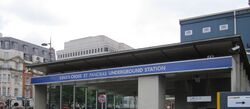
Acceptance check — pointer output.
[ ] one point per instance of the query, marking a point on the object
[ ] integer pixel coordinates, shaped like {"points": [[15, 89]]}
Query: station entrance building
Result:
{"points": [[181, 76]]}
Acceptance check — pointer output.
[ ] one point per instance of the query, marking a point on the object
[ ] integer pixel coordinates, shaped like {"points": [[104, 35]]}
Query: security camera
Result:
{"points": [[237, 47]]}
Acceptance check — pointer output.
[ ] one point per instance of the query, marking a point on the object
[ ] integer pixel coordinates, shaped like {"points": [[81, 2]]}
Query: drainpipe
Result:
{"points": [[235, 23]]}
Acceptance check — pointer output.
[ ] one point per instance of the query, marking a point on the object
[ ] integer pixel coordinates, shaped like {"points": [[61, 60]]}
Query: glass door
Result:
{"points": [[67, 97], [54, 97], [80, 100], [91, 99]]}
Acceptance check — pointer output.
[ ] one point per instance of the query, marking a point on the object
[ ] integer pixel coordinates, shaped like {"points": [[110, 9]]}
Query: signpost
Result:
{"points": [[233, 100], [102, 99]]}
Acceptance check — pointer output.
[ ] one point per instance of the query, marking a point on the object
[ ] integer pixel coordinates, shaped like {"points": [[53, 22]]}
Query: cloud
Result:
{"points": [[1, 22], [30, 11]]}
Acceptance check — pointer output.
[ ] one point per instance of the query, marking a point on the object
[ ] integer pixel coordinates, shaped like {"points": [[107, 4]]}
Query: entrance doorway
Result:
{"points": [[117, 95]]}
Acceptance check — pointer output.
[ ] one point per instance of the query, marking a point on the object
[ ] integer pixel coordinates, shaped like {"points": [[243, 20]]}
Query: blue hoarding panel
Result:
{"points": [[158, 68]]}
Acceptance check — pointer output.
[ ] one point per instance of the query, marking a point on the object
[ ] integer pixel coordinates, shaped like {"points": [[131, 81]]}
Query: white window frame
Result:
{"points": [[206, 30], [188, 33], [223, 27]]}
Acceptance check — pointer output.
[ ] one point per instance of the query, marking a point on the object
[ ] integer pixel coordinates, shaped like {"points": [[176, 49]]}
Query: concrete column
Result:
{"points": [[248, 84], [40, 96], [242, 80], [235, 73], [151, 92]]}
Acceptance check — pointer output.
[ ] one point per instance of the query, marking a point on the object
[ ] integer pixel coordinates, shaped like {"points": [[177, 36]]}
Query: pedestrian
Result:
{"points": [[2, 105]]}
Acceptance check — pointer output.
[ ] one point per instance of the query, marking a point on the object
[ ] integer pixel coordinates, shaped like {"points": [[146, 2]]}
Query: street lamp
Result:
{"points": [[50, 48]]}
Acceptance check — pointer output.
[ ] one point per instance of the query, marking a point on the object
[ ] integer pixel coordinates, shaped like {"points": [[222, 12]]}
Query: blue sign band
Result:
{"points": [[158, 68]]}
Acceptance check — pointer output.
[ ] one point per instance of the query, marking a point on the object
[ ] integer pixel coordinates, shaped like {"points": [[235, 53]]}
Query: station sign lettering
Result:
{"points": [[148, 69]]}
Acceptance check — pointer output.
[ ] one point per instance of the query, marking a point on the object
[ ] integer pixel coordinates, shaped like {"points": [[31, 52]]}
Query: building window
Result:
{"points": [[25, 48], [0, 78], [7, 44], [27, 82], [44, 53], [8, 92], [223, 27], [27, 92], [15, 45], [16, 80], [106, 49], [16, 92], [95, 50], [101, 49], [4, 91], [0, 44], [188, 32], [98, 50], [89, 51], [206, 30], [35, 50], [8, 77], [4, 78], [27, 57]]}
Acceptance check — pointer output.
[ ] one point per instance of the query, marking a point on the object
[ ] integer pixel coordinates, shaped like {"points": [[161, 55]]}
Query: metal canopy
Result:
{"points": [[164, 53]]}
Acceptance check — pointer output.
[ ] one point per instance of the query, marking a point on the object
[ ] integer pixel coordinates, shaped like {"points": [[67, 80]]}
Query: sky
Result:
{"points": [[138, 23]]}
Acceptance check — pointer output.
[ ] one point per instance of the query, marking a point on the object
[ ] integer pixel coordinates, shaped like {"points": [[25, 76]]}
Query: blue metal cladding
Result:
{"points": [[196, 25], [243, 28], [150, 69], [214, 21]]}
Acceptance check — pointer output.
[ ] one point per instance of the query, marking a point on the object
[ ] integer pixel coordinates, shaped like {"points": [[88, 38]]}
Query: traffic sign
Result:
{"points": [[102, 98]]}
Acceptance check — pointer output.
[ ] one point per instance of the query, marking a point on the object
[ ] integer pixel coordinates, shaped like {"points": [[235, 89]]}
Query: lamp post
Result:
{"points": [[50, 49]]}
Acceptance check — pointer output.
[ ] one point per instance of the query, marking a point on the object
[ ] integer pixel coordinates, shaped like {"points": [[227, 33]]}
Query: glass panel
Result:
{"points": [[91, 99], [54, 97], [110, 101], [125, 102], [80, 97], [118, 102], [67, 96]]}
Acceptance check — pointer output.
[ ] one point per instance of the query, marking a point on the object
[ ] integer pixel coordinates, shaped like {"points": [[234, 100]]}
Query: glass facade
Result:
{"points": [[82, 97], [54, 97]]}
